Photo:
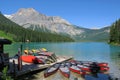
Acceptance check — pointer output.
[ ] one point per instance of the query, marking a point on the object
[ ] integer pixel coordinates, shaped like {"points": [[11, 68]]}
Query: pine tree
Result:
{"points": [[115, 32]]}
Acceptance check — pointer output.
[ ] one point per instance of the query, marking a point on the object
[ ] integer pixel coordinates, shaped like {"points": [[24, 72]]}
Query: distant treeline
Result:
{"points": [[115, 32], [20, 34]]}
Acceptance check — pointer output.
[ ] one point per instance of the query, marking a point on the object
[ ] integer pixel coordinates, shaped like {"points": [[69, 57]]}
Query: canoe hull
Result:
{"points": [[28, 59], [47, 73], [31, 59], [103, 64], [75, 71], [66, 74], [64, 69]]}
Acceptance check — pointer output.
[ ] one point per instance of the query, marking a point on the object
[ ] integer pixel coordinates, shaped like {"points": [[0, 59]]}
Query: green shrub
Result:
{"points": [[5, 76]]}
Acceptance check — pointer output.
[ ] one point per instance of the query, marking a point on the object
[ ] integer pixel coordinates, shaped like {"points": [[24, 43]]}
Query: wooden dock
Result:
{"points": [[30, 67]]}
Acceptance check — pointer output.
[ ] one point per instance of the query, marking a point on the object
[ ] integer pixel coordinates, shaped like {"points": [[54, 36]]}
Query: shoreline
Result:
{"points": [[114, 71]]}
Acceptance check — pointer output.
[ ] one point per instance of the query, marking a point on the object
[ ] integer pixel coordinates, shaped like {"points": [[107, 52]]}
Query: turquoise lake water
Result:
{"points": [[84, 51]]}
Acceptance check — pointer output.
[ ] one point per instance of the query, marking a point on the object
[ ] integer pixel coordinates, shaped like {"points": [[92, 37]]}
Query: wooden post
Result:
{"points": [[19, 60], [14, 70], [21, 55], [1, 48]]}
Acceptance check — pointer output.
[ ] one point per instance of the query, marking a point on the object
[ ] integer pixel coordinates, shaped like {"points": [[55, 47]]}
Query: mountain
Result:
{"points": [[94, 35], [31, 19], [17, 33]]}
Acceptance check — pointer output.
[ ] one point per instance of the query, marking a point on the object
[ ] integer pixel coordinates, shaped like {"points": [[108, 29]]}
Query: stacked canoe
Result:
{"points": [[78, 67], [32, 59], [41, 56]]}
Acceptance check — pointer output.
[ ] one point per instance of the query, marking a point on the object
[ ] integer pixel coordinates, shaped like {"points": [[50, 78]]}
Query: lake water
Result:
{"points": [[84, 51]]}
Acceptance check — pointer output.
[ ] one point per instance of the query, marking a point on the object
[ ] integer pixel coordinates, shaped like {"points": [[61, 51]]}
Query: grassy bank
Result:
{"points": [[6, 35]]}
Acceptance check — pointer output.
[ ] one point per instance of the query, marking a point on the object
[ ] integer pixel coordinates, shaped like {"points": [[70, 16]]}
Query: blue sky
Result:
{"points": [[85, 13]]}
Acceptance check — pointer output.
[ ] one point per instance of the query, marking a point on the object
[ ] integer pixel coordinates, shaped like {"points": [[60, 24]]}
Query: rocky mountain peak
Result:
{"points": [[26, 12], [29, 17]]}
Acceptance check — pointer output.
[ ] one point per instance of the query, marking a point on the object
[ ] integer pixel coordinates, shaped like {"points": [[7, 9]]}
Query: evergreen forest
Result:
{"points": [[115, 32]]}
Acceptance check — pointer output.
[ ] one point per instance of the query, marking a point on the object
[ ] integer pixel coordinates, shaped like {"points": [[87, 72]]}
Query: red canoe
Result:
{"points": [[31, 59], [64, 70], [103, 64], [84, 68], [104, 68], [51, 70], [75, 69]]}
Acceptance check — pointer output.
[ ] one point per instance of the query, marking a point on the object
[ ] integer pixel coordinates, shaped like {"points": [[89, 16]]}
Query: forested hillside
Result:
{"points": [[94, 34], [115, 32], [20, 34]]}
